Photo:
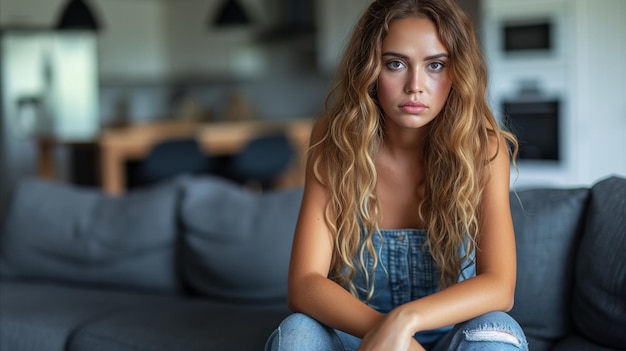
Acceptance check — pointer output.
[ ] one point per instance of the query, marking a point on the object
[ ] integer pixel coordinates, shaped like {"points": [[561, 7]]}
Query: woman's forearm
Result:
{"points": [[332, 305], [458, 303]]}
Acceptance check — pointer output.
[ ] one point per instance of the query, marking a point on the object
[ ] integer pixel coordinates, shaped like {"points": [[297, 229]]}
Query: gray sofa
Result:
{"points": [[198, 263]]}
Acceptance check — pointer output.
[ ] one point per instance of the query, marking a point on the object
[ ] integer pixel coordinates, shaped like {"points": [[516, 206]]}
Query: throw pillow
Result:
{"points": [[548, 223], [237, 243], [599, 303]]}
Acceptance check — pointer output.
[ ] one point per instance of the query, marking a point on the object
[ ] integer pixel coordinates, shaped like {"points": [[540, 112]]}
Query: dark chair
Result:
{"points": [[173, 157], [262, 160]]}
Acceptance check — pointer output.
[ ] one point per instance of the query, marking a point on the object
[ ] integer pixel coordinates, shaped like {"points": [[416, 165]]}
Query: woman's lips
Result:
{"points": [[413, 108]]}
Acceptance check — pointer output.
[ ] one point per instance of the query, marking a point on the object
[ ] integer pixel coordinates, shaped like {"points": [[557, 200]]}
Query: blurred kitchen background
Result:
{"points": [[90, 87]]}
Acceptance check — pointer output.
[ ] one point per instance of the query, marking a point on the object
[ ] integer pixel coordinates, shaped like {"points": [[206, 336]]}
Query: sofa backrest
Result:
{"points": [[548, 224]]}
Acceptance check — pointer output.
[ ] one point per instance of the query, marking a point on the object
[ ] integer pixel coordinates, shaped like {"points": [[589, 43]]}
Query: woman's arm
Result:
{"points": [[493, 287], [310, 291]]}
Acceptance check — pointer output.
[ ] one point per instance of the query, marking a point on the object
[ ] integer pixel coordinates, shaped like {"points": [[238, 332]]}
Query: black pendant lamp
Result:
{"points": [[231, 14], [77, 15]]}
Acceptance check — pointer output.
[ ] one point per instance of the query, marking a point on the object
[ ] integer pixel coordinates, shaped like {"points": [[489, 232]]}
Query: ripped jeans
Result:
{"points": [[406, 272], [495, 331]]}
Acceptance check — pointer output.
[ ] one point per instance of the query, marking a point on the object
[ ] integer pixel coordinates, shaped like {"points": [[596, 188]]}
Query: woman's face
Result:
{"points": [[414, 83]]}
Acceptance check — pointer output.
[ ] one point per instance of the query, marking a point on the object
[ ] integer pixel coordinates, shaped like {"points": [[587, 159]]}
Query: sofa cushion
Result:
{"points": [[575, 342], [599, 303], [73, 234], [548, 223], [237, 243], [192, 325], [538, 344], [44, 316]]}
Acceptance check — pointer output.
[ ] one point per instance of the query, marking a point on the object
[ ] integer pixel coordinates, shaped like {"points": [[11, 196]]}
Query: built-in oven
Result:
{"points": [[535, 123]]}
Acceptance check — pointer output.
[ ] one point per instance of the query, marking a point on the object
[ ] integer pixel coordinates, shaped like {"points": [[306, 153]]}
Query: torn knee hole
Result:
{"points": [[492, 336]]}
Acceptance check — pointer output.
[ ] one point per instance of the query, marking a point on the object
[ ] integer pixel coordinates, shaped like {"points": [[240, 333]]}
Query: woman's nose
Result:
{"points": [[414, 82]]}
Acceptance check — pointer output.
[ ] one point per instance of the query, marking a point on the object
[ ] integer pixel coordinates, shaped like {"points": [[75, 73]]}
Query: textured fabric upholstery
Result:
{"points": [[40, 316], [237, 243], [72, 261], [547, 225], [190, 325], [57, 231], [599, 302], [574, 342]]}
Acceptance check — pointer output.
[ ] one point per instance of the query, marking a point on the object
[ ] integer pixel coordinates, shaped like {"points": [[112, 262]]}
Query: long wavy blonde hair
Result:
{"points": [[456, 152]]}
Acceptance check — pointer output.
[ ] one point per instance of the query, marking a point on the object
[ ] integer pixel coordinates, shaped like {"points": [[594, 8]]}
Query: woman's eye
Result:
{"points": [[436, 66], [395, 65]]}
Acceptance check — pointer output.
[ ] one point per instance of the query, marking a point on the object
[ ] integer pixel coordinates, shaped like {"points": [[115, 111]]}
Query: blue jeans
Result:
{"points": [[406, 272], [495, 331]]}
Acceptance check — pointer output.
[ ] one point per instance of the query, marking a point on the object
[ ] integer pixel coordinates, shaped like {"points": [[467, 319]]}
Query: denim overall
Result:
{"points": [[405, 272]]}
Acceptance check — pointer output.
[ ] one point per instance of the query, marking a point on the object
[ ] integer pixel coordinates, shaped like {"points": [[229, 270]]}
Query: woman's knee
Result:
{"points": [[491, 331], [497, 328], [298, 323], [300, 332]]}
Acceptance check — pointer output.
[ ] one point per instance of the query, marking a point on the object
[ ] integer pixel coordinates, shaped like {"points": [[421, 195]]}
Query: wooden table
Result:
{"points": [[117, 146]]}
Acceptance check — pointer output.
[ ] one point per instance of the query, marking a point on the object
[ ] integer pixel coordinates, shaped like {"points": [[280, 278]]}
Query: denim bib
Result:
{"points": [[406, 271]]}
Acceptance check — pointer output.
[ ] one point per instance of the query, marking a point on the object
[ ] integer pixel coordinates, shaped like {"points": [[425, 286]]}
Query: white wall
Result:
{"points": [[196, 50], [335, 21], [599, 92], [131, 43]]}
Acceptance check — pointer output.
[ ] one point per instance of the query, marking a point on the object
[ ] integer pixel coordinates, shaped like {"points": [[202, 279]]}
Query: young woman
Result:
{"points": [[405, 239]]}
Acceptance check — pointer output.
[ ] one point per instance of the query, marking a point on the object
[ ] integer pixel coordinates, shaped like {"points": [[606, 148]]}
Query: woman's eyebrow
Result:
{"points": [[437, 56], [396, 54], [405, 57]]}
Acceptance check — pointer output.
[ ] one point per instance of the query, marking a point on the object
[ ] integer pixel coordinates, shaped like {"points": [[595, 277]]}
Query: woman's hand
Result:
{"points": [[393, 333], [401, 343]]}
